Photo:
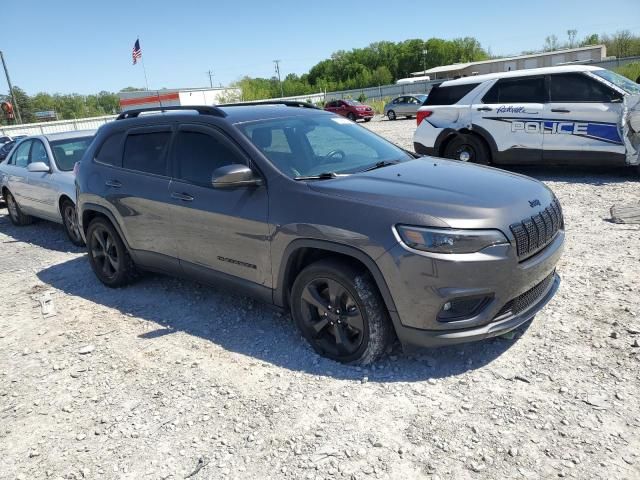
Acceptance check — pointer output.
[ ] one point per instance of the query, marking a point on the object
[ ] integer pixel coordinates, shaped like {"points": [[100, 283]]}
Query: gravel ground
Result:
{"points": [[170, 379]]}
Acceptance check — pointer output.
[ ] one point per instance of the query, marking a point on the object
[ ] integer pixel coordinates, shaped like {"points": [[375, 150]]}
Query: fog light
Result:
{"points": [[461, 308]]}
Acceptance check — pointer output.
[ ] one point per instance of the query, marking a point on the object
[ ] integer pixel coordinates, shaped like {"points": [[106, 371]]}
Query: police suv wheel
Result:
{"points": [[467, 148]]}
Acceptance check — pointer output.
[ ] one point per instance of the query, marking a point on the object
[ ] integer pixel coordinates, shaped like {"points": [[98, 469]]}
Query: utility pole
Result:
{"points": [[210, 73], [13, 97], [424, 60], [277, 64]]}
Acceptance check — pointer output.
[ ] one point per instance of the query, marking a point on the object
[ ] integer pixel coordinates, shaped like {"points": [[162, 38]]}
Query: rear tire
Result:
{"points": [[340, 312], [15, 213], [70, 221], [108, 256], [367, 120], [467, 148]]}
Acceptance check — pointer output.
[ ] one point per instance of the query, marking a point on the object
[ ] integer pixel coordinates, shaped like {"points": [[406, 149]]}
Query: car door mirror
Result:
{"points": [[234, 175], [38, 167]]}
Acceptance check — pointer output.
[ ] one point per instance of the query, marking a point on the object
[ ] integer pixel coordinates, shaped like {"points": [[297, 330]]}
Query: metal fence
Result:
{"points": [[57, 126]]}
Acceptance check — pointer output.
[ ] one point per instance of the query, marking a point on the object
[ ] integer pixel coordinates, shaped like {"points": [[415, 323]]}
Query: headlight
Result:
{"points": [[447, 240]]}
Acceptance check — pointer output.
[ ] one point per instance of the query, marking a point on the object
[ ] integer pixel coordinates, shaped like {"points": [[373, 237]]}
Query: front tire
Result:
{"points": [[108, 256], [391, 115], [340, 312], [70, 221], [15, 213], [351, 117], [467, 148]]}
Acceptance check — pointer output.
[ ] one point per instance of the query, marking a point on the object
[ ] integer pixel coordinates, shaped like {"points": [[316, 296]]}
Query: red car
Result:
{"points": [[351, 109]]}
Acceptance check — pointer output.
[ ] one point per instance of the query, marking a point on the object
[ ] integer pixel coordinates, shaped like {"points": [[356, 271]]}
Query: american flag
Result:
{"points": [[137, 51]]}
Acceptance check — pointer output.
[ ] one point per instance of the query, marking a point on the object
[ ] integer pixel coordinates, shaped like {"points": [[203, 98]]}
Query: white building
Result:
{"points": [[176, 97], [589, 54]]}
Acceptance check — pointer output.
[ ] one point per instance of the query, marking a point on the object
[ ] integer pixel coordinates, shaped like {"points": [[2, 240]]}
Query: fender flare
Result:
{"points": [[107, 213], [280, 294]]}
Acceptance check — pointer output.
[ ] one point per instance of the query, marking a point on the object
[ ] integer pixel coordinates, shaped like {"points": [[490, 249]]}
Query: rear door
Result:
{"points": [[511, 112], [218, 229], [16, 179], [140, 193], [582, 121]]}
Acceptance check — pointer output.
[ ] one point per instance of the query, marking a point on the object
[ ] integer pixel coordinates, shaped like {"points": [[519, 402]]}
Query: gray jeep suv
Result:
{"points": [[359, 239]]}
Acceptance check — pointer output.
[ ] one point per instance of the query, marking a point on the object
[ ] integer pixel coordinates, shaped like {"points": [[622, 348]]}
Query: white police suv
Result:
{"points": [[577, 114]]}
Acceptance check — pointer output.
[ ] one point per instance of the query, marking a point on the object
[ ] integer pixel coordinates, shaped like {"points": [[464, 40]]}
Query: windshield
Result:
{"points": [[68, 152], [352, 102], [618, 80], [311, 145], [422, 98]]}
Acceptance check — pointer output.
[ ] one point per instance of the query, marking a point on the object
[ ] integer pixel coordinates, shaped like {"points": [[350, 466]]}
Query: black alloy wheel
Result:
{"points": [[108, 256], [339, 310], [332, 316]]}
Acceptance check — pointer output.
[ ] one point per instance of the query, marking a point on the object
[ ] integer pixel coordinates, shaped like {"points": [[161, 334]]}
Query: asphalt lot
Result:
{"points": [[160, 378]]}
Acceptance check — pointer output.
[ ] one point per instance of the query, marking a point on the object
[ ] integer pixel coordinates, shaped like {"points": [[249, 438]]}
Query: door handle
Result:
{"points": [[484, 109], [185, 197], [560, 110], [113, 183]]}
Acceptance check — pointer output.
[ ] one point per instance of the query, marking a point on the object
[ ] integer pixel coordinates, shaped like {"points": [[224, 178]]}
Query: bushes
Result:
{"points": [[631, 71]]}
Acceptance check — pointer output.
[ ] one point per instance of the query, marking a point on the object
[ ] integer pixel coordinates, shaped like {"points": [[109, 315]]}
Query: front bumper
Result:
{"points": [[429, 338], [420, 285], [364, 114]]}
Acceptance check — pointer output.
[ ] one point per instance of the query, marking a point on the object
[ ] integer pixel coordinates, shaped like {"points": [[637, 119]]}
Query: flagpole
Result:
{"points": [[144, 69]]}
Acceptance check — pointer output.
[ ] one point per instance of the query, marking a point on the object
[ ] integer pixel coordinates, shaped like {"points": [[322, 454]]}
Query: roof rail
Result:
{"points": [[201, 109], [287, 103]]}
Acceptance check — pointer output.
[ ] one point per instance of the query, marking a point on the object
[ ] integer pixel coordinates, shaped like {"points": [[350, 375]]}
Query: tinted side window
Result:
{"points": [[146, 152], [448, 95], [575, 87], [110, 152], [199, 154], [516, 90], [21, 155], [38, 153]]}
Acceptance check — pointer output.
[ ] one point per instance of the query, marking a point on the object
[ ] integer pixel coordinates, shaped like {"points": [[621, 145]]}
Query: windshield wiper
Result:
{"points": [[320, 176], [381, 164]]}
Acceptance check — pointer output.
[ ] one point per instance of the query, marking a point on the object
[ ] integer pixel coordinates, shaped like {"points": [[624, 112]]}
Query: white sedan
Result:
{"points": [[37, 180]]}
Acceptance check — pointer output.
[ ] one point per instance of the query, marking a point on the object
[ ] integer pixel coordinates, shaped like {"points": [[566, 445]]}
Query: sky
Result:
{"points": [[69, 46]]}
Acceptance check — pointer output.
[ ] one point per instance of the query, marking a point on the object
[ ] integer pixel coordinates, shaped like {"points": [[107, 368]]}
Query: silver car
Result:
{"points": [[37, 179], [404, 106]]}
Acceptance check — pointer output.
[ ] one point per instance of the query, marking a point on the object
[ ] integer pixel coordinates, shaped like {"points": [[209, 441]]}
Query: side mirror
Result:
{"points": [[234, 175], [38, 167]]}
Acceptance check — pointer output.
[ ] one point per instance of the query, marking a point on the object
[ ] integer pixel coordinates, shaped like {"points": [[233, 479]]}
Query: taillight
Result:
{"points": [[422, 114], [76, 169]]}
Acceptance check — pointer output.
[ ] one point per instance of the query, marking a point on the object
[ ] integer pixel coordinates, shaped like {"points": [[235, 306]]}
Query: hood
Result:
{"points": [[461, 195]]}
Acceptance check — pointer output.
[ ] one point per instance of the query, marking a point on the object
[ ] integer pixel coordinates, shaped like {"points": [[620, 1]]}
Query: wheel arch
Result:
{"points": [[61, 199], [480, 133], [91, 211], [303, 252]]}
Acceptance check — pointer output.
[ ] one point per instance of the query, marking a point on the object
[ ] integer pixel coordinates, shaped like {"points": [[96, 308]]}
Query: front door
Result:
{"points": [[218, 230], [582, 121], [42, 189], [511, 113]]}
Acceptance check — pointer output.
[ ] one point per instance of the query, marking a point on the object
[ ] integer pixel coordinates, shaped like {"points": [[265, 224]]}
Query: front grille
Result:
{"points": [[528, 298], [534, 233]]}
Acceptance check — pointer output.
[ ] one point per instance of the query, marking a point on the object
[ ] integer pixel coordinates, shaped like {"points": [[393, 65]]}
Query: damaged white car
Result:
{"points": [[571, 115]]}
